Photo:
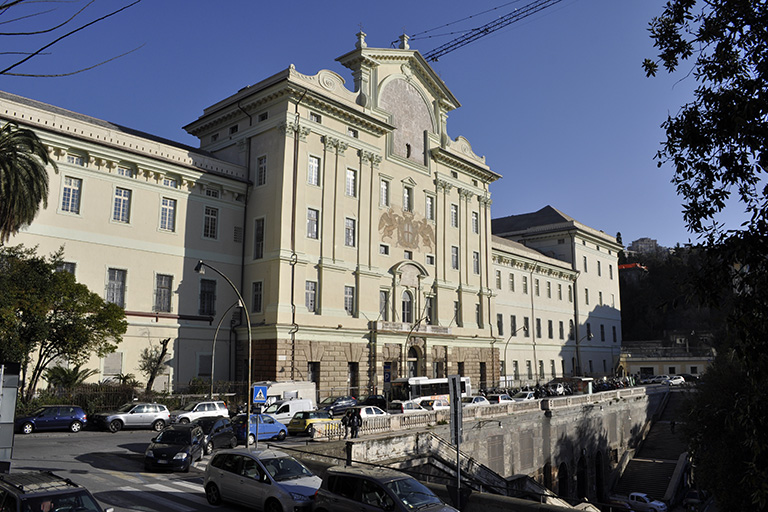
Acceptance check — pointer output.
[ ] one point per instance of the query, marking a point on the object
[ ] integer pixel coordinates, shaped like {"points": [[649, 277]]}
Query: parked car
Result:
{"points": [[266, 426], [435, 404], [302, 422], [177, 447], [377, 400], [474, 401], [500, 398], [53, 417], [675, 380], [195, 410], [404, 407], [658, 379], [217, 433], [689, 379], [368, 411], [134, 415], [351, 489], [337, 404], [641, 502], [44, 490], [264, 479], [523, 396], [284, 410]]}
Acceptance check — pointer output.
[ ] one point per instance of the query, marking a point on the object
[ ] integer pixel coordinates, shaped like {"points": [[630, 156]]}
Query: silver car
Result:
{"points": [[264, 479], [134, 415], [352, 489]]}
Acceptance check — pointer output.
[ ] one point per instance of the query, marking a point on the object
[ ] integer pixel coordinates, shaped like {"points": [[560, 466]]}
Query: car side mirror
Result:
{"points": [[154, 439], [264, 479]]}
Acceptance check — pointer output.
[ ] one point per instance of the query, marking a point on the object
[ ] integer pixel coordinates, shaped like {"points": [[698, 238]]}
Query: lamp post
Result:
{"points": [[215, 336], [200, 270], [506, 368]]}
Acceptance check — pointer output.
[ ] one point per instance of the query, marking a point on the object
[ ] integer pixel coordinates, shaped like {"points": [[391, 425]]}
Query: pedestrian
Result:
{"points": [[356, 421], [346, 420]]}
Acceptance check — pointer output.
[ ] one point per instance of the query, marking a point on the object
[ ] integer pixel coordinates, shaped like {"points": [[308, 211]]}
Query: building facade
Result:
{"points": [[357, 230]]}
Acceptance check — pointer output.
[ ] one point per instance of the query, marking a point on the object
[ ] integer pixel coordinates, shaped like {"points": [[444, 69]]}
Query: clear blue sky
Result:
{"points": [[557, 103]]}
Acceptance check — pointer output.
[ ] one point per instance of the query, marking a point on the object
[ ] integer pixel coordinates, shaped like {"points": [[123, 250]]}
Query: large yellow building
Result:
{"points": [[357, 230]]}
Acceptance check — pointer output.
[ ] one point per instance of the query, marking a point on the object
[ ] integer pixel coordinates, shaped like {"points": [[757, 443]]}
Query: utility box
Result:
{"points": [[9, 385]]}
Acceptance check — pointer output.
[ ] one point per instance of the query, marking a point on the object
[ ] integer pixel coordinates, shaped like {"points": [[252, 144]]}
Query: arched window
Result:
{"points": [[407, 307]]}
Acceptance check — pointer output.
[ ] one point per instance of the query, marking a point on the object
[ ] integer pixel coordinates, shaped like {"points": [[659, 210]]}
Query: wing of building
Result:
{"points": [[357, 230]]}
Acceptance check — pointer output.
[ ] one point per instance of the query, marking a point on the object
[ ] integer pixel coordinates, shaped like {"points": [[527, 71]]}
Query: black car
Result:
{"points": [[217, 433], [377, 400], [337, 404], [43, 490], [176, 447]]}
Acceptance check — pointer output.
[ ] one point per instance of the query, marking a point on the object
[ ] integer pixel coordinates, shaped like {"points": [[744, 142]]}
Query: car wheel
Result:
{"points": [[273, 506], [75, 427], [209, 447], [186, 468], [158, 425], [115, 425], [233, 443], [212, 494], [27, 428], [311, 430], [184, 421], [281, 435], [251, 439]]}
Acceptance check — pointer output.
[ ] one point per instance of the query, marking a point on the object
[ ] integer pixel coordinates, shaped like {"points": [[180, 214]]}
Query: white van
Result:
{"points": [[283, 410]]}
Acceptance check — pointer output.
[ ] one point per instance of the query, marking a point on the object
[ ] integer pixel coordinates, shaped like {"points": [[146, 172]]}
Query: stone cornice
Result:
{"points": [[453, 161]]}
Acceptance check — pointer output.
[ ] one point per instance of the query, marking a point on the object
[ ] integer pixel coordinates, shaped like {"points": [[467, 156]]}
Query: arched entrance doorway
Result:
{"points": [[413, 361], [600, 477], [548, 476], [562, 481], [582, 486]]}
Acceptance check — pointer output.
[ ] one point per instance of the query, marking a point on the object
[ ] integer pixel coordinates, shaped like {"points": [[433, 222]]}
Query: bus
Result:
{"points": [[413, 388]]}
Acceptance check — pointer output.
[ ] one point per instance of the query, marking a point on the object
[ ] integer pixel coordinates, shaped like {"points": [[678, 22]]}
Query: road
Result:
{"points": [[111, 466]]}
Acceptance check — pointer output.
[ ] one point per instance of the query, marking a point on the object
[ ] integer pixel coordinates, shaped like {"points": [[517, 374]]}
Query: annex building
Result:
{"points": [[357, 230]]}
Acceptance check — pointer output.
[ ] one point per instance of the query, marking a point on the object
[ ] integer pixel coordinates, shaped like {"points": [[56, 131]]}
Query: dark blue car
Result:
{"points": [[53, 417]]}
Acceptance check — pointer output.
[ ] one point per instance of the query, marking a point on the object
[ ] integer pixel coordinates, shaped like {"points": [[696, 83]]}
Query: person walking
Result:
{"points": [[356, 422], [346, 420]]}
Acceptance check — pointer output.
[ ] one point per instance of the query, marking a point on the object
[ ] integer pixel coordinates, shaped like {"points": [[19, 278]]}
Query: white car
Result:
{"points": [[474, 401], [675, 380], [523, 396], [404, 407], [500, 399], [435, 404], [368, 411], [659, 379], [643, 503], [196, 410]]}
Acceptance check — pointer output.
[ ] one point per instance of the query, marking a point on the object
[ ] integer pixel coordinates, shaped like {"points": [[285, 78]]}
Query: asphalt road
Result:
{"points": [[111, 466]]}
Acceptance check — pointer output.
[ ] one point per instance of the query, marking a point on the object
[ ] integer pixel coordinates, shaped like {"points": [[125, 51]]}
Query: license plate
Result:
{"points": [[162, 461]]}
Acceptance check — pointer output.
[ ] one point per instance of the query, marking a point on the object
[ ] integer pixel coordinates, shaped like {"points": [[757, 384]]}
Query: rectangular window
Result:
{"points": [[168, 214], [210, 222], [261, 171], [549, 290], [312, 221], [526, 327], [430, 259], [500, 323], [600, 298], [310, 295], [550, 329], [351, 183], [599, 270], [454, 215], [585, 264], [475, 222], [350, 232], [75, 160], [602, 332], [407, 255], [457, 312], [315, 117], [589, 331], [513, 325], [116, 286], [384, 305], [313, 171], [163, 290], [570, 293], [613, 329], [559, 292], [207, 297], [478, 315], [454, 257], [529, 369], [511, 282], [70, 198], [66, 266], [536, 286], [263, 117], [541, 369], [407, 199], [538, 328], [498, 279], [561, 327], [349, 300], [525, 285], [121, 212], [552, 368], [610, 271], [429, 310], [384, 249], [476, 262], [383, 193], [586, 296], [258, 239], [169, 182], [429, 208], [212, 192], [258, 297], [352, 132]]}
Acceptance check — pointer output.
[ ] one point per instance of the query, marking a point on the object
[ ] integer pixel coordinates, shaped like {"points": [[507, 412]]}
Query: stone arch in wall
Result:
{"points": [[600, 477], [582, 478], [563, 487]]}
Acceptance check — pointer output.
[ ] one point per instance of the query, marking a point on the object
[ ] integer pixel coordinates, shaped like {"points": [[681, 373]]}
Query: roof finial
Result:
{"points": [[404, 42], [361, 39]]}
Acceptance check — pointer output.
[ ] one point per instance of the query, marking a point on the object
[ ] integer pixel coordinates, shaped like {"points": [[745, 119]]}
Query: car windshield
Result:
{"points": [[329, 400], [285, 468], [272, 409], [467, 399], [189, 407], [522, 394], [68, 502], [412, 493], [207, 423], [172, 437], [320, 415], [126, 407]]}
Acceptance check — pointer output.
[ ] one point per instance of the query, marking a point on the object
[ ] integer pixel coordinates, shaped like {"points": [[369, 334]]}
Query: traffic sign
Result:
{"points": [[259, 394]]}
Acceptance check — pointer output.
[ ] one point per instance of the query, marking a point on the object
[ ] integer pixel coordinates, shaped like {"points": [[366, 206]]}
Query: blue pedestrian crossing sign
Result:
{"points": [[259, 394]]}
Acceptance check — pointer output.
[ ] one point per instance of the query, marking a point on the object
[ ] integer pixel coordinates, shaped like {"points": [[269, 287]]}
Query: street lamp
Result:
{"points": [[200, 270], [215, 336], [506, 368]]}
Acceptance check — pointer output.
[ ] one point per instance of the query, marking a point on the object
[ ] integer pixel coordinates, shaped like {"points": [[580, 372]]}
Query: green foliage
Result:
{"points": [[46, 315], [23, 178], [67, 379], [198, 385], [716, 146], [152, 360]]}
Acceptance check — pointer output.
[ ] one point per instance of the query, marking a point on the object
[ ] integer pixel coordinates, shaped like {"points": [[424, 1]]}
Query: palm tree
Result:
{"points": [[67, 379], [23, 178]]}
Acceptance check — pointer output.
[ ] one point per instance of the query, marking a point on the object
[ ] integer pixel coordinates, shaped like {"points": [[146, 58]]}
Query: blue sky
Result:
{"points": [[557, 103]]}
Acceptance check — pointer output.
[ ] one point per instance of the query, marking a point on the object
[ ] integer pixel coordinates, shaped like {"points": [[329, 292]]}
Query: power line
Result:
{"points": [[489, 28]]}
